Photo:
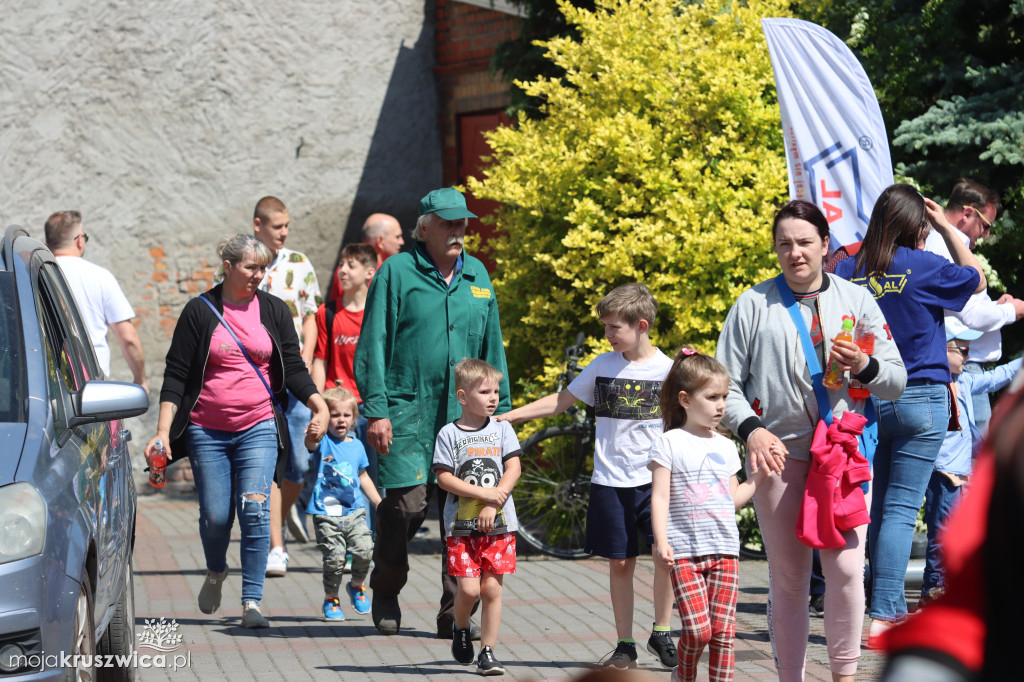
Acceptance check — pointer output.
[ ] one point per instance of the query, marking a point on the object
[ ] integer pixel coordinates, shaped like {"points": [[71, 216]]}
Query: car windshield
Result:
{"points": [[12, 360]]}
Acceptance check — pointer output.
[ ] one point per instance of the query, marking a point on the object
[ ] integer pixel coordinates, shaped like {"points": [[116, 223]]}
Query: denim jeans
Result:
{"points": [[371, 456], [297, 415], [910, 433], [360, 432], [817, 577], [940, 498], [228, 468]]}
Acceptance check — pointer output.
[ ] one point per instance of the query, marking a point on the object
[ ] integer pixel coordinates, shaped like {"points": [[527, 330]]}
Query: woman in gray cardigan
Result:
{"points": [[772, 408]]}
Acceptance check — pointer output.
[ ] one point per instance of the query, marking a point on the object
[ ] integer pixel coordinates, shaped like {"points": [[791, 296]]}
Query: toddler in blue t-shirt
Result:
{"points": [[338, 504]]}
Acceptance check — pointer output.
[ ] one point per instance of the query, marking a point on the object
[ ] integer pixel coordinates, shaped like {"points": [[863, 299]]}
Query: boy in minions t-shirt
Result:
{"points": [[476, 460]]}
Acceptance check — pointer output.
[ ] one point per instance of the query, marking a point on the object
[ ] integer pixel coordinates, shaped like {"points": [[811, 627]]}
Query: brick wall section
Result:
{"points": [[158, 112], [466, 38], [173, 281]]}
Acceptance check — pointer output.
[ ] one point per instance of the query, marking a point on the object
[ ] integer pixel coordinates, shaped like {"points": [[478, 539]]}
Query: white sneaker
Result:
{"points": [[277, 563]]}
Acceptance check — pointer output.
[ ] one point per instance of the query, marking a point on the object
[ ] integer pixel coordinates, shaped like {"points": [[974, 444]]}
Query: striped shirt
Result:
{"points": [[701, 513]]}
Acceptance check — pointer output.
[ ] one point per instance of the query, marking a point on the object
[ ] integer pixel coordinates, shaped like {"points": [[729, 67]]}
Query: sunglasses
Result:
{"points": [[984, 221], [84, 236], [963, 350]]}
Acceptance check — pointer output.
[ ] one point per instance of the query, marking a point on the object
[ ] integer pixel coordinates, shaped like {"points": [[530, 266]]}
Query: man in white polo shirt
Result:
{"points": [[972, 209], [102, 303]]}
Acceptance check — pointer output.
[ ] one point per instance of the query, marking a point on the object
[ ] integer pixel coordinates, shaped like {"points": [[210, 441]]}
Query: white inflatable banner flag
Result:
{"points": [[837, 152]]}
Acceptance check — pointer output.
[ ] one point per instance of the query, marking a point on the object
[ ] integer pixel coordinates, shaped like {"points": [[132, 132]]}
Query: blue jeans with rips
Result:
{"points": [[910, 433], [230, 470]]}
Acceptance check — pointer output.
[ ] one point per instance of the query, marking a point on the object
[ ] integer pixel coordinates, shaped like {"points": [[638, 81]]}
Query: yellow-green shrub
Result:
{"points": [[659, 160]]}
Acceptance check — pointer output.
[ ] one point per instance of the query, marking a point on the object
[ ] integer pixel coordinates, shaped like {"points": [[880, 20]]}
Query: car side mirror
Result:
{"points": [[100, 401]]}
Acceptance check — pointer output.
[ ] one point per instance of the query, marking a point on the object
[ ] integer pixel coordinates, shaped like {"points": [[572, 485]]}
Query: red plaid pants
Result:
{"points": [[706, 590]]}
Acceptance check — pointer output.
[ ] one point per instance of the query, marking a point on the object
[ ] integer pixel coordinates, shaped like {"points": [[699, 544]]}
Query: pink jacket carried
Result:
{"points": [[833, 498]]}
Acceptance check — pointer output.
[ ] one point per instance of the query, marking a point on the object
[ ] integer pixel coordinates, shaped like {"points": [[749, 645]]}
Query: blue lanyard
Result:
{"points": [[824, 406]]}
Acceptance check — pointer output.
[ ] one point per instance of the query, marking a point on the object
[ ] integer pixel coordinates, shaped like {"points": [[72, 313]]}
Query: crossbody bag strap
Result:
{"points": [[824, 406], [330, 309], [245, 353]]}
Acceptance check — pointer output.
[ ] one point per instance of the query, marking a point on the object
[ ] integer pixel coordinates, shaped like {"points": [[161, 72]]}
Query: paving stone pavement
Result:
{"points": [[556, 618]]}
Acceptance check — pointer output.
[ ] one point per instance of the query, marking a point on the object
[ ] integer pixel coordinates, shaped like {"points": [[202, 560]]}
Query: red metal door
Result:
{"points": [[472, 146]]}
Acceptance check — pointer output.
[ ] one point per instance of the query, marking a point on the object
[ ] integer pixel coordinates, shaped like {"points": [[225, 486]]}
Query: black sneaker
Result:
{"points": [[623, 657], [660, 644], [444, 629], [816, 607], [487, 664], [462, 646]]}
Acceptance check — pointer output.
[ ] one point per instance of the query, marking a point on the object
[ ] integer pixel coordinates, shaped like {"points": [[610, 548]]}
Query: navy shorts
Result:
{"points": [[616, 518]]}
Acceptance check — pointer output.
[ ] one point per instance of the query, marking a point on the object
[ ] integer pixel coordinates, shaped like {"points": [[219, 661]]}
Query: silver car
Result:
{"points": [[67, 498]]}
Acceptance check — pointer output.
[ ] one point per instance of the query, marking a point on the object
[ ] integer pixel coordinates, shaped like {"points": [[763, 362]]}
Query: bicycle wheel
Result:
{"points": [[554, 489]]}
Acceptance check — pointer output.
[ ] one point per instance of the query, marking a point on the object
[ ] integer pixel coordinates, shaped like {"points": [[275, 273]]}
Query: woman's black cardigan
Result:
{"points": [[190, 348]]}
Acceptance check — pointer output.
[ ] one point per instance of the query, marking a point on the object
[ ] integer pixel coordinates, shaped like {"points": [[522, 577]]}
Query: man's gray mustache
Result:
{"points": [[456, 240]]}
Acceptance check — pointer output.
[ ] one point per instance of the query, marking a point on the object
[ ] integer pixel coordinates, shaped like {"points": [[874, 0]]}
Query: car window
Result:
{"points": [[76, 348], [59, 375], [12, 358]]}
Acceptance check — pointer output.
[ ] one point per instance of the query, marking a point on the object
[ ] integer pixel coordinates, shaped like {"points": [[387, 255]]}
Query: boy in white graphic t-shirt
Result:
{"points": [[624, 387]]}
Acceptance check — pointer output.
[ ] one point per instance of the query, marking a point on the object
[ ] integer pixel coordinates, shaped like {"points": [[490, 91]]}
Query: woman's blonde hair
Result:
{"points": [[234, 249]]}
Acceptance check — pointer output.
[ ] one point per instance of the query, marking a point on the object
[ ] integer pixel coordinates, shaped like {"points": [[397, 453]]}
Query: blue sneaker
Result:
{"points": [[332, 609], [360, 600]]}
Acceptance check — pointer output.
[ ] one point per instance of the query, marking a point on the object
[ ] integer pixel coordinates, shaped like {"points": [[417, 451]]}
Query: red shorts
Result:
{"points": [[468, 555]]}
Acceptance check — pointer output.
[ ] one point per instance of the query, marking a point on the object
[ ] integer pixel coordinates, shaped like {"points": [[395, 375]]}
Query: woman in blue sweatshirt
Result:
{"points": [[912, 288]]}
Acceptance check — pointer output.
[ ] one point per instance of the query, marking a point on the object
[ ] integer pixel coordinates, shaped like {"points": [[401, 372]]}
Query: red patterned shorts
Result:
{"points": [[468, 555]]}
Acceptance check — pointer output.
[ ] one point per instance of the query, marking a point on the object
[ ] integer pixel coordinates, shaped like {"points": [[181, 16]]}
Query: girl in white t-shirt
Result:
{"points": [[694, 497]]}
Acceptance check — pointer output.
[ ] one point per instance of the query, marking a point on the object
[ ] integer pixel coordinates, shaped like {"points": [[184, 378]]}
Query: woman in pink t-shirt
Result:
{"points": [[222, 406]]}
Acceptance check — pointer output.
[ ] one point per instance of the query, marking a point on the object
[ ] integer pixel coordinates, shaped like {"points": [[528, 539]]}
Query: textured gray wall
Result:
{"points": [[164, 122]]}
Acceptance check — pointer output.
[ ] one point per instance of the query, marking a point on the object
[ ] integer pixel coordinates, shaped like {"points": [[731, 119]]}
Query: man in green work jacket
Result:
{"points": [[426, 310]]}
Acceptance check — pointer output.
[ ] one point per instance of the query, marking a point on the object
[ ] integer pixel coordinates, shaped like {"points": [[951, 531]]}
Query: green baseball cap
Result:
{"points": [[448, 203]]}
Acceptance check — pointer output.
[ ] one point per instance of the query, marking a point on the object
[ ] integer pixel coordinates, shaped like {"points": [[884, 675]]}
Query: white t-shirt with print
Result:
{"points": [[701, 513], [477, 456], [291, 278], [626, 399]]}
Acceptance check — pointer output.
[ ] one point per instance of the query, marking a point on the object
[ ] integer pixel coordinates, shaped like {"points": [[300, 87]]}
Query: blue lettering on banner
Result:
{"points": [[826, 160]]}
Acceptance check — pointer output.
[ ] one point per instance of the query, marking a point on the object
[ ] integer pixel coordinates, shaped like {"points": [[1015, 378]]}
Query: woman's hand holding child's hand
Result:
{"points": [[766, 451]]}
